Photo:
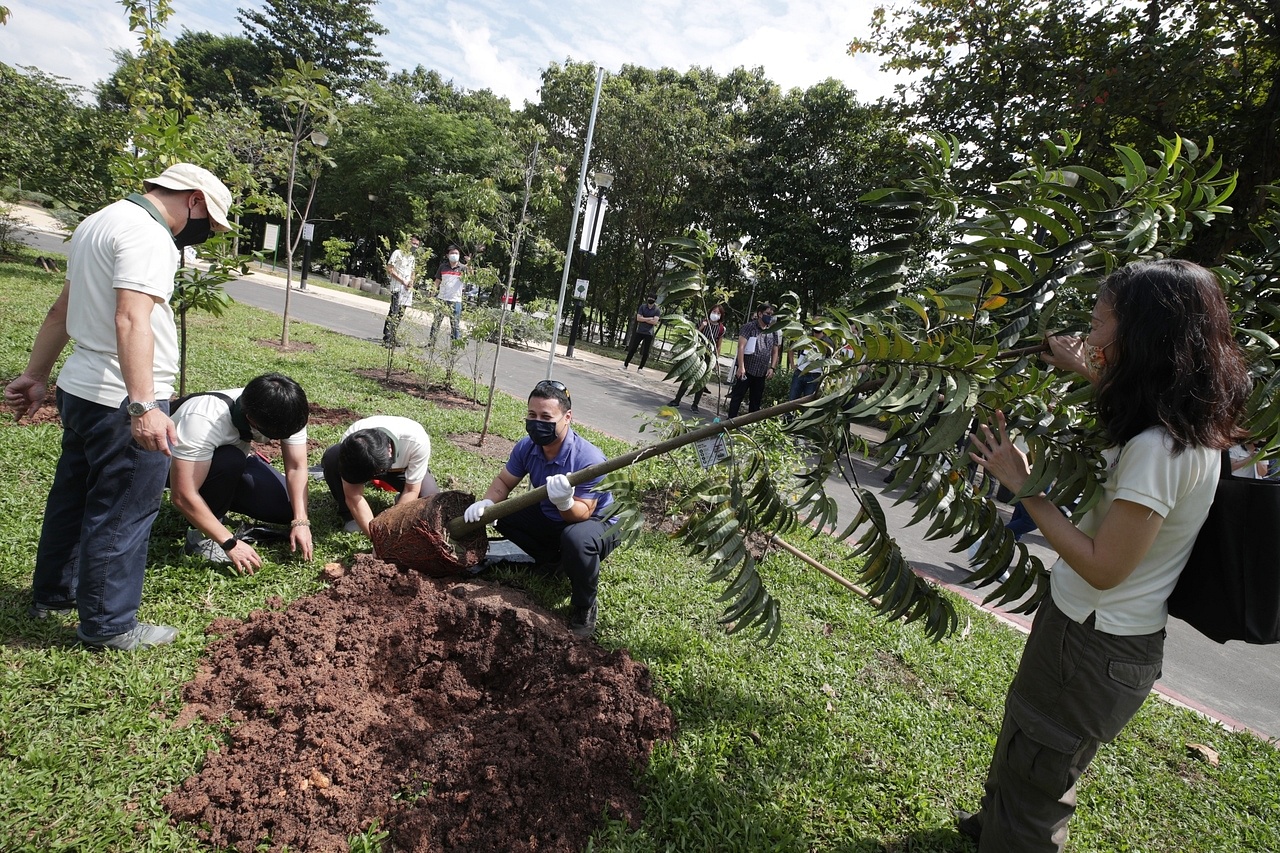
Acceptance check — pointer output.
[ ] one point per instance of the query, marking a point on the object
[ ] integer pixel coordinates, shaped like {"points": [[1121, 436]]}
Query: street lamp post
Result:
{"points": [[589, 245], [368, 234]]}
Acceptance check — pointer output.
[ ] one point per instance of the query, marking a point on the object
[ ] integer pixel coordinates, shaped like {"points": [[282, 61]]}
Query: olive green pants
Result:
{"points": [[1075, 689]]}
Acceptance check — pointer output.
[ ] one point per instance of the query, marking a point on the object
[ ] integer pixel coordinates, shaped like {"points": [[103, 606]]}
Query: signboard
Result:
{"points": [[580, 288], [308, 231], [711, 450], [270, 237]]}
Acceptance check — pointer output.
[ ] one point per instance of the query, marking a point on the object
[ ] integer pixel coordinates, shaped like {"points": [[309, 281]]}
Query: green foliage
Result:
{"points": [[853, 733], [10, 222], [51, 142], [336, 35], [922, 358], [336, 251]]}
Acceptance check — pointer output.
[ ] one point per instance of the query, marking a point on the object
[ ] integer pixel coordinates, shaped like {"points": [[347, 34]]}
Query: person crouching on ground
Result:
{"points": [[391, 449], [567, 527], [215, 469]]}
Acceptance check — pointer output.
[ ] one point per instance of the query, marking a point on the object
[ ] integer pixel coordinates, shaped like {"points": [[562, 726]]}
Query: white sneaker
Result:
{"points": [[198, 546], [973, 549], [352, 526]]}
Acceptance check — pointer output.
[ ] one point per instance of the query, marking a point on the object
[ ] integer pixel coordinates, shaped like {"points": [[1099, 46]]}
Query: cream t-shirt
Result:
{"points": [[1178, 488], [121, 247], [412, 444]]}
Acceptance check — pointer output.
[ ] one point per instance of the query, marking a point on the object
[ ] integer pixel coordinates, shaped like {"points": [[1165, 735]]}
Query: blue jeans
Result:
{"points": [[803, 384], [455, 320], [97, 520]]}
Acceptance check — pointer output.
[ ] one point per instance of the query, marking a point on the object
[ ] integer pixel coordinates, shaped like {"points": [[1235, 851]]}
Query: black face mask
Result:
{"points": [[195, 232], [542, 432]]}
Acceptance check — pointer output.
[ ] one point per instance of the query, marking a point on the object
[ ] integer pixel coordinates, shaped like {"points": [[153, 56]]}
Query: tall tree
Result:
{"points": [[223, 70], [1002, 74], [794, 182], [336, 35]]}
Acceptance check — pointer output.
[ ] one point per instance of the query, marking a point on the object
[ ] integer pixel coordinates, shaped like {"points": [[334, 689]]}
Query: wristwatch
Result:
{"points": [[137, 410]]}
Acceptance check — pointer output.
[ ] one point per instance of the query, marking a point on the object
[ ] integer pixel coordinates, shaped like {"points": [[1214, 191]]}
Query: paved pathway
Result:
{"points": [[1236, 683]]}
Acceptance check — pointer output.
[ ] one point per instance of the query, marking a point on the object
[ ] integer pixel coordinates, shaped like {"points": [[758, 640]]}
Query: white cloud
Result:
{"points": [[504, 45]]}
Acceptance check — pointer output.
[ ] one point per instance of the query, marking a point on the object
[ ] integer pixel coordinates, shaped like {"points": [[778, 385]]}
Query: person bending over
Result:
{"points": [[216, 470], [390, 449]]}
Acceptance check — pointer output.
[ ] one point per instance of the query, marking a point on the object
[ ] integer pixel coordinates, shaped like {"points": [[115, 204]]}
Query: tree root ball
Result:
{"points": [[415, 535]]}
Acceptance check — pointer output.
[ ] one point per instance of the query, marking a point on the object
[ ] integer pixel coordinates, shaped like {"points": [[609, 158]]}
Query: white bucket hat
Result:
{"points": [[188, 176]]}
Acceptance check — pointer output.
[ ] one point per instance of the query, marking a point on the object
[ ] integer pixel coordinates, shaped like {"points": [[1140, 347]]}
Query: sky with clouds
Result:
{"points": [[503, 45]]}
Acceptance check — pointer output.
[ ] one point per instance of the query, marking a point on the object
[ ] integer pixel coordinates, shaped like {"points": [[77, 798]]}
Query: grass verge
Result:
{"points": [[849, 734]]}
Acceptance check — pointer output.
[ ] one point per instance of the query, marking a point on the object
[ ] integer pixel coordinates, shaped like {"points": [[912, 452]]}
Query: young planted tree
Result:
{"points": [[310, 110], [927, 362]]}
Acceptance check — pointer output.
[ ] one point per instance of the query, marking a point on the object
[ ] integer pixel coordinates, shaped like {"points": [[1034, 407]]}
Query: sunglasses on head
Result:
{"points": [[554, 385]]}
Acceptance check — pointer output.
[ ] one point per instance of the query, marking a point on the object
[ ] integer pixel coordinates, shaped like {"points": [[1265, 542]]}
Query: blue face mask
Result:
{"points": [[766, 320], [542, 432]]}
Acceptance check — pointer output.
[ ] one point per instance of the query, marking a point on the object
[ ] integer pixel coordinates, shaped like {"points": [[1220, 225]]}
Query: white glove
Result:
{"points": [[559, 492], [476, 510]]}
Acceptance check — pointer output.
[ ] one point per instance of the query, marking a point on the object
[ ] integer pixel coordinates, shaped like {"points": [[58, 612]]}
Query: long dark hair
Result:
{"points": [[1176, 364]]}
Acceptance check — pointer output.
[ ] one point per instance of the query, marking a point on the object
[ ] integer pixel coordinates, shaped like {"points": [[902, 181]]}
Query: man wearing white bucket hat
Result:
{"points": [[113, 395]]}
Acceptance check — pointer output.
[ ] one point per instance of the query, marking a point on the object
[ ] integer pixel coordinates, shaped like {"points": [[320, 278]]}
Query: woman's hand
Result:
{"points": [[1067, 353], [999, 456]]}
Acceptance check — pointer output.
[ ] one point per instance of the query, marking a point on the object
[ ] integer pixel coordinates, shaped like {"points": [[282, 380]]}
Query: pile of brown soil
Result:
{"points": [[459, 715]]}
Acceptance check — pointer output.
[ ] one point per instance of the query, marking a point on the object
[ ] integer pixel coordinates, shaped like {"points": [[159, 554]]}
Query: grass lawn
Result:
{"points": [[849, 734]]}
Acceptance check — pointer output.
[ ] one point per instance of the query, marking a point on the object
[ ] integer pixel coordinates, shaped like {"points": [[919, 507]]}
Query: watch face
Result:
{"points": [[137, 409]]}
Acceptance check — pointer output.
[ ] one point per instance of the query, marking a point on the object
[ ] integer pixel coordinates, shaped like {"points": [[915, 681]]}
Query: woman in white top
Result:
{"points": [[1170, 385]]}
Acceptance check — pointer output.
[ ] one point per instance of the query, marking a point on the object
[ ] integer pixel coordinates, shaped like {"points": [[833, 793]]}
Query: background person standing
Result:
{"points": [[758, 351], [712, 328], [400, 270], [113, 396], [449, 291], [647, 319]]}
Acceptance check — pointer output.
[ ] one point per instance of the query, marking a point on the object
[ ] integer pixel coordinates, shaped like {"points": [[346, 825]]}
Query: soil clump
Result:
{"points": [[459, 715]]}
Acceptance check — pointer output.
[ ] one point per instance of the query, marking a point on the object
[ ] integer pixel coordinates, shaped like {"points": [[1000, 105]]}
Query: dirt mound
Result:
{"points": [[459, 715]]}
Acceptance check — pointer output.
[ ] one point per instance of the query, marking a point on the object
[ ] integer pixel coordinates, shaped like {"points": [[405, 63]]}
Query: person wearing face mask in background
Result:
{"points": [[713, 329], [216, 470], [449, 291], [758, 351], [113, 396], [568, 527], [647, 319]]}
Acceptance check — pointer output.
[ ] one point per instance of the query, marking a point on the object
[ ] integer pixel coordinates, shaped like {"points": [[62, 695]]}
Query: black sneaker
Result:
{"points": [[969, 825], [583, 621], [675, 404]]}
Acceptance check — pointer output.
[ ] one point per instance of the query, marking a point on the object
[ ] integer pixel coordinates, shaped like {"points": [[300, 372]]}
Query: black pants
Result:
{"points": [[752, 386], [638, 339], [248, 485], [394, 317], [395, 479], [578, 548]]}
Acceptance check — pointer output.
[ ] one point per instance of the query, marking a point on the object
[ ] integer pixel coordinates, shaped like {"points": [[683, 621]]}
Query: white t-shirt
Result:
{"points": [[412, 445], [451, 282], [120, 247], [1239, 452], [404, 263], [204, 424], [1178, 488]]}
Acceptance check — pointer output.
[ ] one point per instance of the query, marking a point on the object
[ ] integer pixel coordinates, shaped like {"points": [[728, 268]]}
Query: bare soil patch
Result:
{"points": [[459, 715], [493, 447], [407, 383]]}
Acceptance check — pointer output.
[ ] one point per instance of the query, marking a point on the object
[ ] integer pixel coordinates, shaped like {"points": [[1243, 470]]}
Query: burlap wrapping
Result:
{"points": [[415, 535]]}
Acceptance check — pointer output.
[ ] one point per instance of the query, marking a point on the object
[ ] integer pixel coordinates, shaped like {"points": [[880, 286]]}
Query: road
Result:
{"points": [[1235, 683]]}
